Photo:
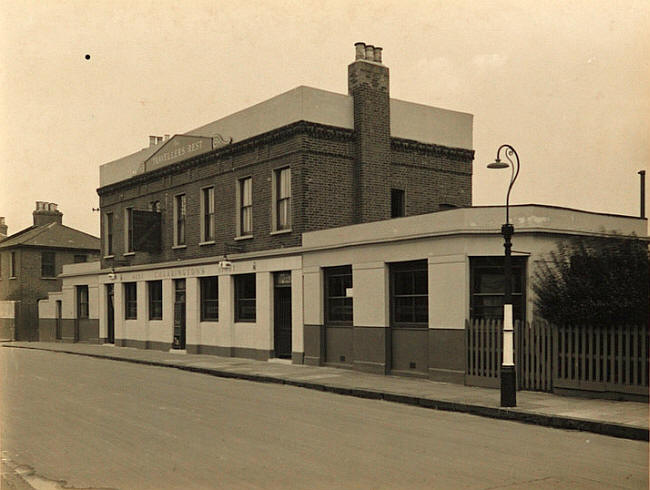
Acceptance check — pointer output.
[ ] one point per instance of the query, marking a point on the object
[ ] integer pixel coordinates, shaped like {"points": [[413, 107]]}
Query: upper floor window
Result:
{"points": [[128, 230], [108, 234], [207, 214], [397, 203], [13, 271], [338, 300], [409, 294], [209, 298], [282, 193], [245, 298], [246, 206], [180, 212], [48, 265], [82, 301], [130, 301], [155, 300]]}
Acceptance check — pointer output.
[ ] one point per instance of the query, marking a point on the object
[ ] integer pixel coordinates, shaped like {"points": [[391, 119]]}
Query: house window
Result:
{"points": [[48, 267], [487, 281], [409, 294], [130, 301], [82, 301], [210, 298], [180, 211], [207, 213], [155, 300], [338, 301], [245, 298], [246, 206], [12, 265], [128, 230], [108, 244], [397, 208], [79, 259], [282, 178]]}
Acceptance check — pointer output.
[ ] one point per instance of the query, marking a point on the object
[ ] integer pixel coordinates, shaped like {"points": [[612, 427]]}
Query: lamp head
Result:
{"points": [[498, 164]]}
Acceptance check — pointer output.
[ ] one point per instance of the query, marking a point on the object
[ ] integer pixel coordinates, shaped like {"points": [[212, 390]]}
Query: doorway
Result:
{"points": [[110, 314], [58, 320], [282, 314], [179, 314]]}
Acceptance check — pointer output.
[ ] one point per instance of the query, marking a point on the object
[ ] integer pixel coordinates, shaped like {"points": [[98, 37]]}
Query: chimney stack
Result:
{"points": [[3, 228], [46, 213]]}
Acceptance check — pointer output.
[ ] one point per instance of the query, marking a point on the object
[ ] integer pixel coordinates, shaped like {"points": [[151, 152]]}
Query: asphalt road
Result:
{"points": [[106, 424]]}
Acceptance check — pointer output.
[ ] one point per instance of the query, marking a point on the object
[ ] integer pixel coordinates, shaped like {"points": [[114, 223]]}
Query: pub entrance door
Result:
{"points": [[110, 314], [179, 314], [282, 314]]}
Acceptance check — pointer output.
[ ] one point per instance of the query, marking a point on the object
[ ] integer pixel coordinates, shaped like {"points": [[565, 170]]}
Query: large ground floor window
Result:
{"points": [[487, 283], [409, 294], [245, 303]]}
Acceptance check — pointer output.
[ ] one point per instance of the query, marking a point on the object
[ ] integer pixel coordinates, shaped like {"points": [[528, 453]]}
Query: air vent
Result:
{"points": [[342, 358], [412, 365]]}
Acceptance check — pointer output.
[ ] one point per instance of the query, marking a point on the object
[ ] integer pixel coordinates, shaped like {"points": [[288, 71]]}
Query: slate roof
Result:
{"points": [[53, 235]]}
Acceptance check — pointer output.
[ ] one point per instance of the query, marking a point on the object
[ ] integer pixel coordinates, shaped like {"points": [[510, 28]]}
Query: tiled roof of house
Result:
{"points": [[54, 235]]}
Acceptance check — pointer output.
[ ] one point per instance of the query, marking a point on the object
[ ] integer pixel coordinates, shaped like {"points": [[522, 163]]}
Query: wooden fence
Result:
{"points": [[596, 359]]}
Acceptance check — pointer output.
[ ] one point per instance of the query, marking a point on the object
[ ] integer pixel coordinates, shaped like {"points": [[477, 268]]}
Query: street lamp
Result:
{"points": [[508, 375]]}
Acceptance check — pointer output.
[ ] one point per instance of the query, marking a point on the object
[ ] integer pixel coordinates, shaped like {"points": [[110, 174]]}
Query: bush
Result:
{"points": [[594, 281]]}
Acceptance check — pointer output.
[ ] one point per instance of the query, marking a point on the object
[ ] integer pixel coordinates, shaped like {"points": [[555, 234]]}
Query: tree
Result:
{"points": [[594, 281]]}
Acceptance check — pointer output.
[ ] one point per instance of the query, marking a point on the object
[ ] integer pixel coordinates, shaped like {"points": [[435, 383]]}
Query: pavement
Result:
{"points": [[625, 419]]}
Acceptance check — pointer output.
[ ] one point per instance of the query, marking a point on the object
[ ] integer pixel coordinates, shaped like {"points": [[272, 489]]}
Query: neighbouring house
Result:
{"points": [[30, 261]]}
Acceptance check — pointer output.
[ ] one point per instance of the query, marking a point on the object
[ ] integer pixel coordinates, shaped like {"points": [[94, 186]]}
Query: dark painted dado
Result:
{"points": [[297, 358], [88, 330], [244, 352], [371, 349], [339, 348], [69, 330], [447, 355], [410, 351], [314, 341], [7, 328], [47, 330]]}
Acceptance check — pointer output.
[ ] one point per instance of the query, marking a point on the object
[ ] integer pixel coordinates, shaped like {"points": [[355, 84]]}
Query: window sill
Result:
{"points": [[243, 237], [209, 242], [12, 278], [48, 278], [107, 257], [281, 232], [128, 254], [178, 247]]}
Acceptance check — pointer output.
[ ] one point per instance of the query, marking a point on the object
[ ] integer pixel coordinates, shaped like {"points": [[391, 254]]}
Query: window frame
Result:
{"points": [[495, 263], [13, 269], [180, 220], [83, 307], [129, 244], [52, 255], [155, 302], [411, 266], [206, 302], [402, 204], [108, 234], [244, 208], [130, 301], [239, 287], [207, 215], [281, 200], [330, 273]]}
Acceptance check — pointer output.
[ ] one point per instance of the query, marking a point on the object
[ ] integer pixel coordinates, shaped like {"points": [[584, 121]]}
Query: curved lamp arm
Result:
{"points": [[509, 153]]}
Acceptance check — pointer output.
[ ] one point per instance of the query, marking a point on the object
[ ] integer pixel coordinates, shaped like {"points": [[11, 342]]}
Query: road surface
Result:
{"points": [[106, 424]]}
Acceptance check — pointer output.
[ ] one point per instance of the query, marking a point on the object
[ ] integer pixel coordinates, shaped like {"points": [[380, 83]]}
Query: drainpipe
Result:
{"points": [[642, 175]]}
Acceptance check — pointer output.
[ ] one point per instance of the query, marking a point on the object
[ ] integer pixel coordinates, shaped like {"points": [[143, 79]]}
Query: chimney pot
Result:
{"points": [[360, 51], [370, 52], [378, 54], [152, 141], [166, 137]]}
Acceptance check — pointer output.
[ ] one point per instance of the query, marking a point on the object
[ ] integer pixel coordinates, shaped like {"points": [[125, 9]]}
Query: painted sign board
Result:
{"points": [[177, 148]]}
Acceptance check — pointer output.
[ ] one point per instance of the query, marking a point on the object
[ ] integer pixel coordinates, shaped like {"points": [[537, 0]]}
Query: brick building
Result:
{"points": [[30, 261], [220, 210]]}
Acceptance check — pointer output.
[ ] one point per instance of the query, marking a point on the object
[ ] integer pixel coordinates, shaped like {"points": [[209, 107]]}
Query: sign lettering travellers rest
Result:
{"points": [[177, 148]]}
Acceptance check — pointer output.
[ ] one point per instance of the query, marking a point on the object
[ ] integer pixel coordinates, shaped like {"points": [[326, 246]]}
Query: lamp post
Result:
{"points": [[508, 375]]}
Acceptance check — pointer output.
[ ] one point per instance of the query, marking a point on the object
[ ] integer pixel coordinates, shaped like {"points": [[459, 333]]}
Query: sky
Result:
{"points": [[567, 84]]}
